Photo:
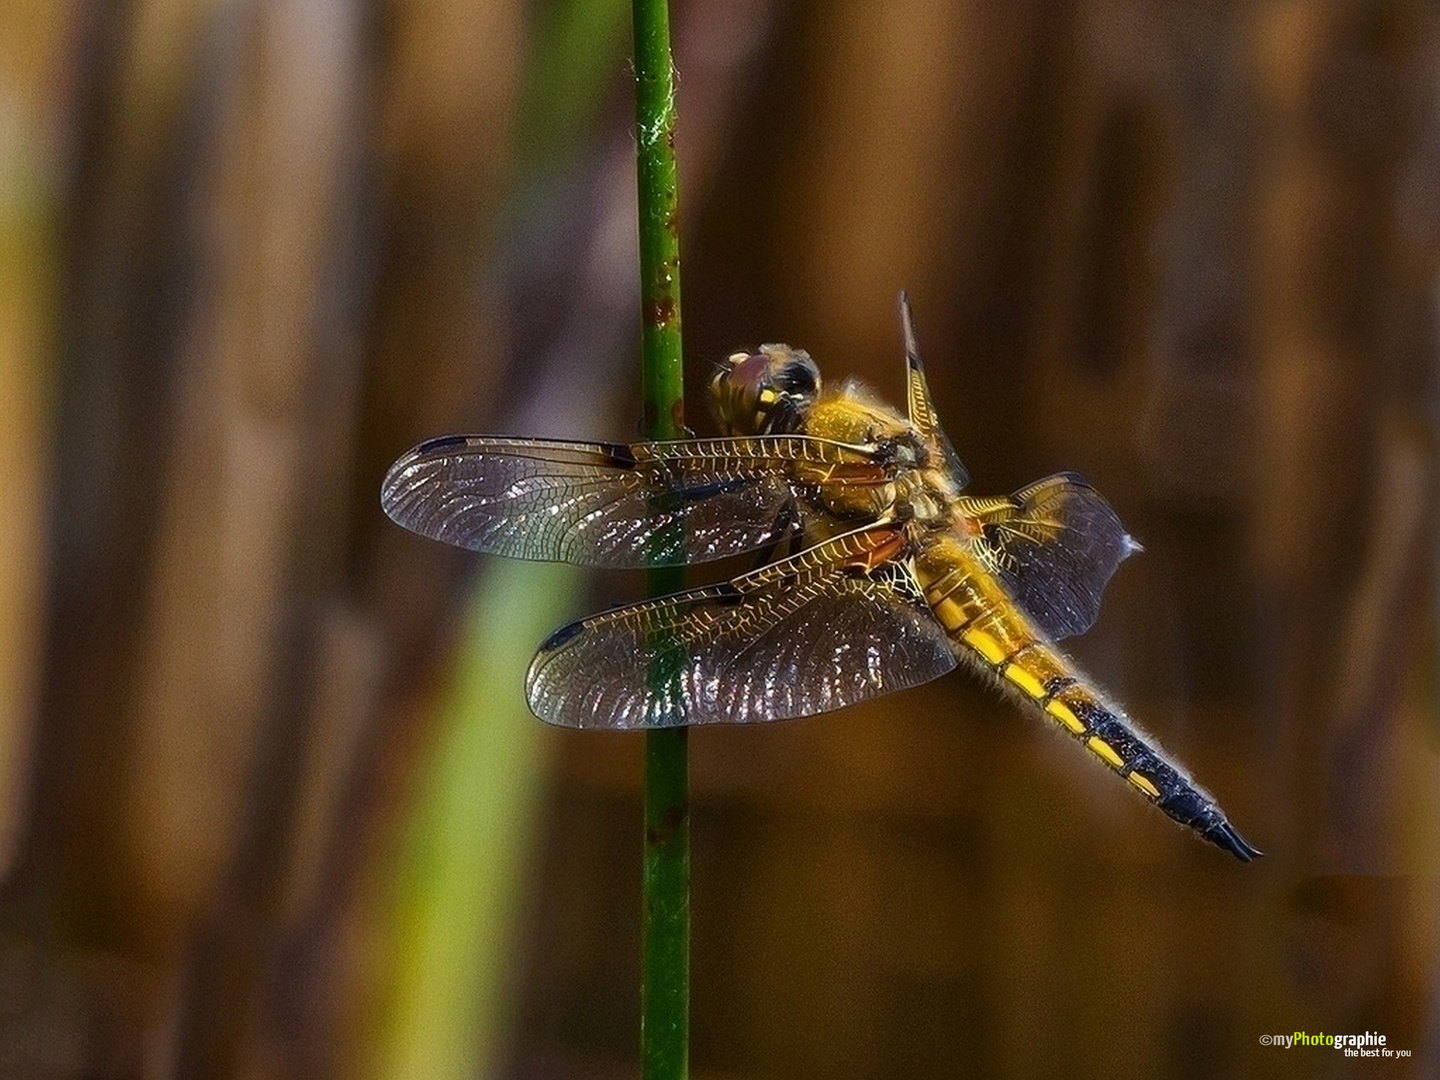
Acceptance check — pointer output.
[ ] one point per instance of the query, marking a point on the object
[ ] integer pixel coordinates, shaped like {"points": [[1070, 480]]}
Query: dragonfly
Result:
{"points": [[878, 571]]}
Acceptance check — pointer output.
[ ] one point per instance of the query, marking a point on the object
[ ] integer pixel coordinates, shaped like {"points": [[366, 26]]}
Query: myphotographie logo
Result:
{"points": [[1370, 1044]]}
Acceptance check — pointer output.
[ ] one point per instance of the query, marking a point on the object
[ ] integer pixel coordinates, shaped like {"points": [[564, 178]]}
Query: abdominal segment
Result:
{"points": [[988, 630]]}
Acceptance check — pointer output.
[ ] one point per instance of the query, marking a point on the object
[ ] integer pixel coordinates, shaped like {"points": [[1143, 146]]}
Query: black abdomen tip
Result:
{"points": [[1223, 834]]}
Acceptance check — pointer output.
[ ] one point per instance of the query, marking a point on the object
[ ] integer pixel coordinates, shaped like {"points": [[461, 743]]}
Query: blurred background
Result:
{"points": [[271, 804]]}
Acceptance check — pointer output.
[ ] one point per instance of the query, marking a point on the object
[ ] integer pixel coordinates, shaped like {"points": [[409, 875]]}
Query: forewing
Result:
{"points": [[1055, 545], [921, 406], [610, 504], [814, 632]]}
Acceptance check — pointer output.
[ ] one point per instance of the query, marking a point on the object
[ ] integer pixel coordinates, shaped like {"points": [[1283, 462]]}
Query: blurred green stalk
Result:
{"points": [[665, 933], [464, 859], [462, 871]]}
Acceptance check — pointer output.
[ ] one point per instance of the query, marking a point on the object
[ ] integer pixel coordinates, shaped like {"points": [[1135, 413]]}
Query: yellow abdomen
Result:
{"points": [[990, 631]]}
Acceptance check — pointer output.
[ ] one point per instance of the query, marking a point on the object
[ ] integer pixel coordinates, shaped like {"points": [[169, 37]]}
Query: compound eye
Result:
{"points": [[798, 375]]}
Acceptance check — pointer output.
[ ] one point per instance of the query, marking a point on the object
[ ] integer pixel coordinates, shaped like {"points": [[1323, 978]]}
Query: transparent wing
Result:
{"points": [[611, 504], [1055, 545], [921, 406], [831, 626]]}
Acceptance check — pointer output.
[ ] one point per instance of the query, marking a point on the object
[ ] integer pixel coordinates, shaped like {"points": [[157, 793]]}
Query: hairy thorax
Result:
{"points": [[915, 488]]}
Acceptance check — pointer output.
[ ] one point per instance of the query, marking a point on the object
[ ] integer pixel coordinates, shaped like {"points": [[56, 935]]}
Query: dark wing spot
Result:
{"points": [[558, 639], [444, 442], [676, 498], [619, 454], [728, 595]]}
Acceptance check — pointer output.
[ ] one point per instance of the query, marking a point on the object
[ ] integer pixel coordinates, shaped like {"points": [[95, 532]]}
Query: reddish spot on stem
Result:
{"points": [[672, 221], [674, 817], [677, 414], [660, 311]]}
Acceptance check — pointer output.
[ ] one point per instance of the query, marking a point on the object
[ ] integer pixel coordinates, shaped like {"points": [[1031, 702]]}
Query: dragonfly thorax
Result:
{"points": [[923, 495]]}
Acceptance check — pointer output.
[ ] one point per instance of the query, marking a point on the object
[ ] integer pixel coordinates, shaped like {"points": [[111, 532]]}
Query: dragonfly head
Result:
{"points": [[769, 392]]}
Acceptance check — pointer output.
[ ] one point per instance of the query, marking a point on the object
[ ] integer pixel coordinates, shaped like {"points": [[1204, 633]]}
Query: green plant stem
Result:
{"points": [[665, 976]]}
